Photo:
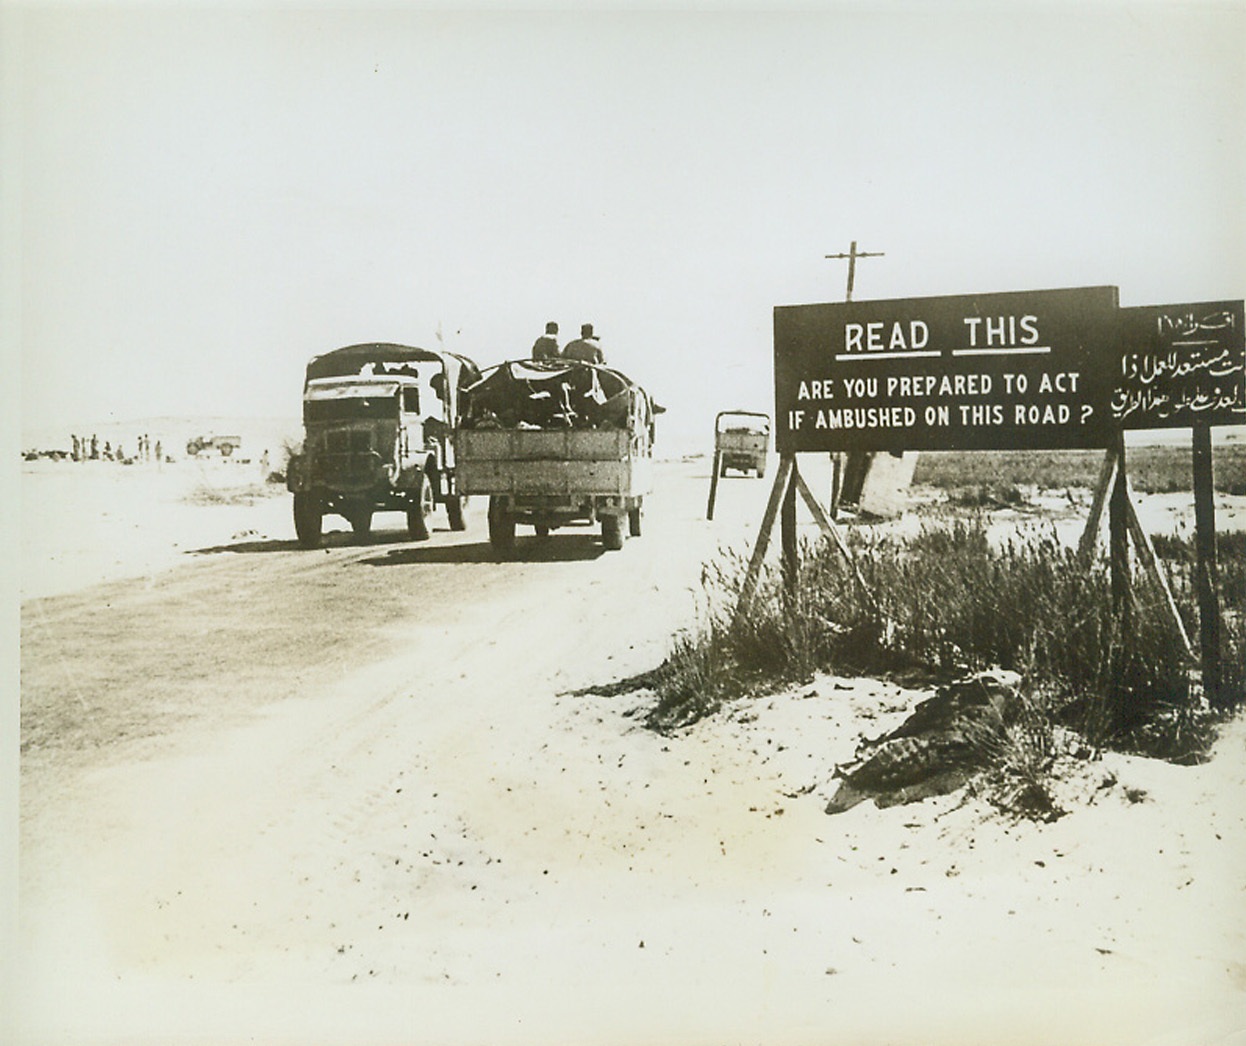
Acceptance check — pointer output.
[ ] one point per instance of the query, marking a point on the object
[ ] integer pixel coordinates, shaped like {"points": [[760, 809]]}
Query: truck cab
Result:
{"points": [[377, 422]]}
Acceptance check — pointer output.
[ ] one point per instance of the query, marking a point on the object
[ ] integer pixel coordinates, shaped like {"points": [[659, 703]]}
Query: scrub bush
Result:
{"points": [[946, 602]]}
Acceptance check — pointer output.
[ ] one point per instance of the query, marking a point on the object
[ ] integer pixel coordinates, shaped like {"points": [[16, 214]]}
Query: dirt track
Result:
{"points": [[357, 795]]}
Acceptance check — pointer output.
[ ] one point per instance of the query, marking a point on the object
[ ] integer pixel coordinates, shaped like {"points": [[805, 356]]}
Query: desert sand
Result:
{"points": [[377, 793]]}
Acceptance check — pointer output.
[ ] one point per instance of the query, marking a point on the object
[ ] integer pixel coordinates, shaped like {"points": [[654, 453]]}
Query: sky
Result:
{"points": [[198, 198]]}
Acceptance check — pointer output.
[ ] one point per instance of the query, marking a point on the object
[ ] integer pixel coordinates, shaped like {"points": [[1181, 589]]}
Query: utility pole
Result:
{"points": [[857, 462], [852, 256]]}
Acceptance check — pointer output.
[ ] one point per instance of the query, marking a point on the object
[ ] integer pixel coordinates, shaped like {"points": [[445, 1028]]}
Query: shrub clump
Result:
{"points": [[949, 602]]}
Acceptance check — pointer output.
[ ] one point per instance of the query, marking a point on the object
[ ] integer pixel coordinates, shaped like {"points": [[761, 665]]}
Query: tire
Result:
{"points": [[307, 519], [360, 521], [542, 530], [454, 512], [420, 510], [501, 526], [723, 470], [761, 471], [612, 532], [633, 522], [226, 449]]}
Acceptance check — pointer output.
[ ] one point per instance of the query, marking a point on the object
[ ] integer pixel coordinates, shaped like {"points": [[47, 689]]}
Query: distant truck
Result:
{"points": [[741, 441], [557, 442], [223, 445], [377, 420]]}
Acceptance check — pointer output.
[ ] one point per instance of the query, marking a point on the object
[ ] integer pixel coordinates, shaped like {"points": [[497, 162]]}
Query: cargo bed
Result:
{"points": [[553, 443]]}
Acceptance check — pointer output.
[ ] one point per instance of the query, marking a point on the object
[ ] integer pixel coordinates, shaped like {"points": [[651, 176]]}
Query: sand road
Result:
{"points": [[365, 794]]}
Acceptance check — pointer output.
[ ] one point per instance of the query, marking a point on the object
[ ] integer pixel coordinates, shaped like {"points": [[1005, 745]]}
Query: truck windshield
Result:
{"points": [[352, 408]]}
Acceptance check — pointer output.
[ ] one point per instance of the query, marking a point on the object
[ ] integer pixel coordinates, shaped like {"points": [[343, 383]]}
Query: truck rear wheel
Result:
{"points": [[454, 511], [307, 519], [501, 526], [360, 521], [612, 533], [420, 509]]}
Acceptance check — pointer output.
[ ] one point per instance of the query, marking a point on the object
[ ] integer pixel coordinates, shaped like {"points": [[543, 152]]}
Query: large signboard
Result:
{"points": [[1014, 370], [1181, 364]]}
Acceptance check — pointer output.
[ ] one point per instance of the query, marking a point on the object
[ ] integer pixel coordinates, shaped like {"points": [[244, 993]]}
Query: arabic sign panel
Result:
{"points": [[1181, 364], [1004, 371]]}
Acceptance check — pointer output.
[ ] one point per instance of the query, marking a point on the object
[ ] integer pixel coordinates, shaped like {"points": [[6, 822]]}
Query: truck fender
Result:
{"points": [[296, 473]]}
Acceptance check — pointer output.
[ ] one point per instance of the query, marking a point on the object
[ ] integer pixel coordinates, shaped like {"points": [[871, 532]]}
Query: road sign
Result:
{"points": [[1181, 365], [1013, 370]]}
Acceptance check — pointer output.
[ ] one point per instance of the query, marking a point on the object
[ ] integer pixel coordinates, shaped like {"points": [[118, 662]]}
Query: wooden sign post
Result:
{"points": [[1205, 579]]}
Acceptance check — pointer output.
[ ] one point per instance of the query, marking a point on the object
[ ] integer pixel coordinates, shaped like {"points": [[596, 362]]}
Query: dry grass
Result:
{"points": [[949, 602]]}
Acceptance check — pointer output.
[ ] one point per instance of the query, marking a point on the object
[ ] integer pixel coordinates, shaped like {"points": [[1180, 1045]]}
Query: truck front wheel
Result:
{"points": [[454, 511], [420, 510], [633, 521], [612, 532], [307, 519], [501, 526]]}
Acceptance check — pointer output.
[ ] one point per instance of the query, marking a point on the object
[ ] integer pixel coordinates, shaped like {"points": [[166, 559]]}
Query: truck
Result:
{"points": [[378, 420], [741, 441], [223, 445], [557, 442]]}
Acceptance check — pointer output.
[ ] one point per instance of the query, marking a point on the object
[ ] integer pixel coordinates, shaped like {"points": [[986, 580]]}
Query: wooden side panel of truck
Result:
{"points": [[589, 463]]}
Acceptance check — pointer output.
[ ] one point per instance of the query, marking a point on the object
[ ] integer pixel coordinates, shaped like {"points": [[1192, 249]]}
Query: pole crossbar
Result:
{"points": [[852, 256]]}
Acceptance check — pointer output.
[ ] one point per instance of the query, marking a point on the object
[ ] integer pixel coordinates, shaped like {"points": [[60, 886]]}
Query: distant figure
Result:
{"points": [[159, 452], [77, 448], [585, 347], [95, 448], [546, 346]]}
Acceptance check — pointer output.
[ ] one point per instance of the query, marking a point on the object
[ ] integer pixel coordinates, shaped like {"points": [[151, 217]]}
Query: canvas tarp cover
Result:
{"points": [[389, 358], [554, 394]]}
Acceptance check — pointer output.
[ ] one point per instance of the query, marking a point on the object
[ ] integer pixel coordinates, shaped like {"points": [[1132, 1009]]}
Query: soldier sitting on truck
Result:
{"points": [[585, 348], [546, 346]]}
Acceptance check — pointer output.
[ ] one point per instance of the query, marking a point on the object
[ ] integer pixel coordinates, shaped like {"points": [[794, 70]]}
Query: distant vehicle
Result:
{"points": [[377, 420], [222, 445], [741, 441], [556, 442]]}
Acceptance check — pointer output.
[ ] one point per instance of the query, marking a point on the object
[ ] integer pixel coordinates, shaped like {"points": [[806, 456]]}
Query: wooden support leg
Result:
{"points": [[787, 538], [717, 467], [1085, 547], [1118, 537], [1146, 551], [782, 480], [832, 531]]}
